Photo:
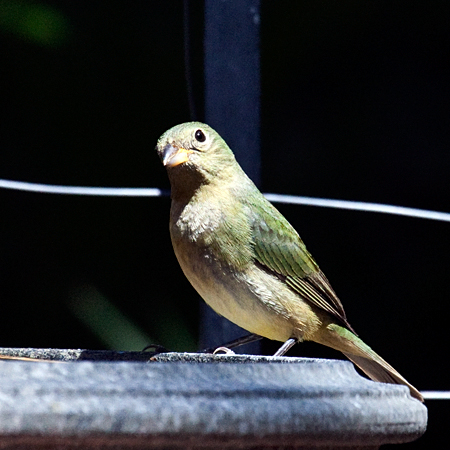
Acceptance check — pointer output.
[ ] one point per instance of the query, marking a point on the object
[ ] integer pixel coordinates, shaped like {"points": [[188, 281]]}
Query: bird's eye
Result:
{"points": [[200, 136]]}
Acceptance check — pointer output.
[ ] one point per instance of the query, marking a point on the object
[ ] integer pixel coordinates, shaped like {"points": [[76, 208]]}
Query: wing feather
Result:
{"points": [[279, 249]]}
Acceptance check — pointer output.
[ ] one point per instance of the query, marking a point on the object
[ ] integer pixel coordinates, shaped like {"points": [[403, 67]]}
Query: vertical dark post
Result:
{"points": [[232, 107]]}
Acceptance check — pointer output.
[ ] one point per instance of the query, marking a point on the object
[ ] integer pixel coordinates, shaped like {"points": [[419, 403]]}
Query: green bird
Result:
{"points": [[245, 259]]}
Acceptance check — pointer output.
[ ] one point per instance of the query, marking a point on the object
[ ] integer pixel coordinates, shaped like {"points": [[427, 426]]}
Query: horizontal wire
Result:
{"points": [[83, 190], [359, 206], [275, 198], [436, 395]]}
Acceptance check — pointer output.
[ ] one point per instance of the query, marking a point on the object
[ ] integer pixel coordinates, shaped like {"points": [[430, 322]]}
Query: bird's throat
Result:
{"points": [[184, 182]]}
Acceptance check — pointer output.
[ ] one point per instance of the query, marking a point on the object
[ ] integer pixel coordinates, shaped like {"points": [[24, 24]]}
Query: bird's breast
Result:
{"points": [[221, 267]]}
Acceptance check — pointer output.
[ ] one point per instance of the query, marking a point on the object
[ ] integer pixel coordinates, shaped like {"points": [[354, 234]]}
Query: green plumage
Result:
{"points": [[245, 259]]}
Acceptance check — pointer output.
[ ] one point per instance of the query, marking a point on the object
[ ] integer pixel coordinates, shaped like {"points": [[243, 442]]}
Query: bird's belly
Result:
{"points": [[252, 299]]}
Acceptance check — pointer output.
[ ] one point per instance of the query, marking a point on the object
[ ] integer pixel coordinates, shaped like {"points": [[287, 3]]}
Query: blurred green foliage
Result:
{"points": [[117, 331], [34, 22]]}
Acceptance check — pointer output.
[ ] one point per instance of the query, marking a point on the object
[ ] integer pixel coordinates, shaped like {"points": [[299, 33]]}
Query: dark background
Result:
{"points": [[355, 105]]}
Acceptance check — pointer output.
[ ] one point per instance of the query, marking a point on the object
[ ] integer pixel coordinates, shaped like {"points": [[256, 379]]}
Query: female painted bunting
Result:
{"points": [[245, 259]]}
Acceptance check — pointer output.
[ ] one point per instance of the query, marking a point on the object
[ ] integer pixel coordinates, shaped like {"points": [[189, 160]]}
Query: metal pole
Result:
{"points": [[232, 107]]}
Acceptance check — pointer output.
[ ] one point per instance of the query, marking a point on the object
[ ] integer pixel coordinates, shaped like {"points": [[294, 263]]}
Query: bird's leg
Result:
{"points": [[235, 343], [285, 347]]}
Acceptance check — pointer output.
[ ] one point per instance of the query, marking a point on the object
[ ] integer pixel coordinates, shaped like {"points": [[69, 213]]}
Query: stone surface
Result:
{"points": [[200, 401], [56, 354]]}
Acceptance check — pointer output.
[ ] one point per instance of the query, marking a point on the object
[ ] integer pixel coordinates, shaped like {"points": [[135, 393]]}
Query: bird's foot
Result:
{"points": [[223, 351], [156, 348], [235, 343]]}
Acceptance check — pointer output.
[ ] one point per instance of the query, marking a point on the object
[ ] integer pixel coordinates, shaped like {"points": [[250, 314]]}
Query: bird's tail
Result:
{"points": [[363, 356]]}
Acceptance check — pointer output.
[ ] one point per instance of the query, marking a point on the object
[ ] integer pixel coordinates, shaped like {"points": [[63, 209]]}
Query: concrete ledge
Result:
{"points": [[200, 401]]}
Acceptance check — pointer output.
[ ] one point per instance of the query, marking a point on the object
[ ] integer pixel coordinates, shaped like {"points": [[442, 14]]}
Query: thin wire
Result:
{"points": [[436, 395], [83, 190], [275, 198], [359, 206], [187, 60]]}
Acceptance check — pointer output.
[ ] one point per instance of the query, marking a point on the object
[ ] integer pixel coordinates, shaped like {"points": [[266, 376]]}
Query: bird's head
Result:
{"points": [[195, 148]]}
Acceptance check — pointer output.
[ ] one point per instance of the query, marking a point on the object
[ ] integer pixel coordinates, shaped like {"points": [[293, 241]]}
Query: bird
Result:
{"points": [[245, 259]]}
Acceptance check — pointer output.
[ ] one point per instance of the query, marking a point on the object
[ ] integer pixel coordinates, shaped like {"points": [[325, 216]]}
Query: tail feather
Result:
{"points": [[383, 373], [364, 357]]}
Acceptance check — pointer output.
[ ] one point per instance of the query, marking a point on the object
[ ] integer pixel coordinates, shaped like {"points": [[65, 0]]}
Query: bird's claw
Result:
{"points": [[223, 351]]}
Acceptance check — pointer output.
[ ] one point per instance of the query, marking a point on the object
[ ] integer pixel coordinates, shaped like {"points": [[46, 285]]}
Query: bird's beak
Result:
{"points": [[173, 156]]}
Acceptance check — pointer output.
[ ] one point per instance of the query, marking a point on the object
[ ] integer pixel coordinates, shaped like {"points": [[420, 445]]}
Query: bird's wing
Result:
{"points": [[279, 249]]}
